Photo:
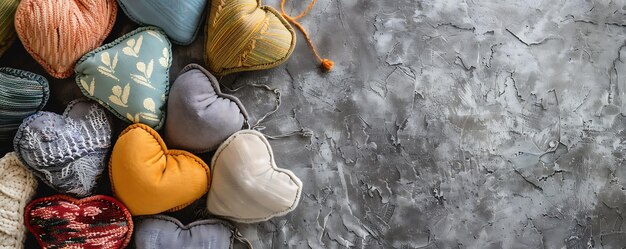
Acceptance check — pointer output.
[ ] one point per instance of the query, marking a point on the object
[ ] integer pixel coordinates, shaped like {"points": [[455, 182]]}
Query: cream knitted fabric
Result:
{"points": [[17, 187]]}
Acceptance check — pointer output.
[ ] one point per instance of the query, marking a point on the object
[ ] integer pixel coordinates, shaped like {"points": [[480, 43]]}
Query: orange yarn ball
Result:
{"points": [[327, 64]]}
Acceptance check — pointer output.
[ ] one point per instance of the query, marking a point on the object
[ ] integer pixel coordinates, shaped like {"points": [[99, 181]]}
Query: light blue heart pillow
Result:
{"points": [[130, 76], [179, 19]]}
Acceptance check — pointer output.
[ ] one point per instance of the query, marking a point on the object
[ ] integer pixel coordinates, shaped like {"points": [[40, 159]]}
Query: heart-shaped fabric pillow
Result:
{"points": [[7, 30], [22, 94], [179, 19], [17, 187], [160, 231], [66, 152], [247, 185], [243, 35], [149, 179], [58, 32], [61, 221], [200, 116], [130, 76]]}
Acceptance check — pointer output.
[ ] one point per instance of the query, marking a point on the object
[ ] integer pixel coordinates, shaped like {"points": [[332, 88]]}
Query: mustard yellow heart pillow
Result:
{"points": [[243, 35], [149, 179]]}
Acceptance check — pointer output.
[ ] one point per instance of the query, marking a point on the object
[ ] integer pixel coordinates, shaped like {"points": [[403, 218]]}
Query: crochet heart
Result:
{"points": [[247, 185], [17, 187], [61, 221], [243, 35], [130, 76], [149, 179], [7, 30], [200, 116], [66, 151], [160, 231], [58, 32], [179, 19], [22, 94]]}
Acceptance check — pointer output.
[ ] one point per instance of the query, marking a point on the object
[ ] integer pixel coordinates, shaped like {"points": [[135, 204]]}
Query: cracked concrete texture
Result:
{"points": [[446, 124], [455, 124]]}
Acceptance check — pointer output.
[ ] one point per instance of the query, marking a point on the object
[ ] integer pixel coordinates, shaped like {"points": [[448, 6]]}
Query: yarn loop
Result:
{"points": [[326, 64]]}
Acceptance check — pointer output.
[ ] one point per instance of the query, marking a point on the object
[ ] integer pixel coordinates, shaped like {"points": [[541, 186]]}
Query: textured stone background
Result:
{"points": [[445, 124]]}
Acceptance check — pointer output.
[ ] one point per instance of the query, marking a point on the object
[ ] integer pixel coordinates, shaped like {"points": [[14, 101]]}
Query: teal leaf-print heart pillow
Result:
{"points": [[130, 76]]}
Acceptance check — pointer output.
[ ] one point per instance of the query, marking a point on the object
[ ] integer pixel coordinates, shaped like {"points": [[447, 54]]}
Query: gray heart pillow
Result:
{"points": [[67, 151], [200, 117], [160, 231]]}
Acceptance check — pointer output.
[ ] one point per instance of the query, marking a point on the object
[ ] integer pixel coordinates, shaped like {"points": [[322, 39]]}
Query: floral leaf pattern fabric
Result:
{"points": [[130, 76]]}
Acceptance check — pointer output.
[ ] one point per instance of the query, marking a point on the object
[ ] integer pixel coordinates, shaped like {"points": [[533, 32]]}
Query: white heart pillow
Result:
{"points": [[247, 185]]}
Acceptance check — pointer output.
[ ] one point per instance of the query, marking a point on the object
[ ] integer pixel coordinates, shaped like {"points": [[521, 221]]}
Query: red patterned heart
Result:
{"points": [[61, 221]]}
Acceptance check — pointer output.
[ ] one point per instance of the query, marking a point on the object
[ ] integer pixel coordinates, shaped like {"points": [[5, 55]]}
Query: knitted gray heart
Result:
{"points": [[200, 117], [66, 151]]}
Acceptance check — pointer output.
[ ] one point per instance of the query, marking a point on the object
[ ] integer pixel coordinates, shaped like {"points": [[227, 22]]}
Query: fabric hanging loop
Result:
{"points": [[327, 64], [258, 126]]}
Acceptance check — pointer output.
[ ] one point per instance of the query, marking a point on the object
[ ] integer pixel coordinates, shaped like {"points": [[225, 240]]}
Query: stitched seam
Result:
{"points": [[194, 224], [216, 85], [26, 75], [190, 225], [117, 41], [218, 91], [274, 63], [225, 71], [166, 152]]}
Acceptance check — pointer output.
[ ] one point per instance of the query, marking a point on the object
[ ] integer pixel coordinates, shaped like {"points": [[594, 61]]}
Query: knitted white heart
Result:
{"points": [[17, 187], [247, 185]]}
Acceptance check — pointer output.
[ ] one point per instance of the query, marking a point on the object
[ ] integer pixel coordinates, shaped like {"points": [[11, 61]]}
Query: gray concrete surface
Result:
{"points": [[455, 124]]}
